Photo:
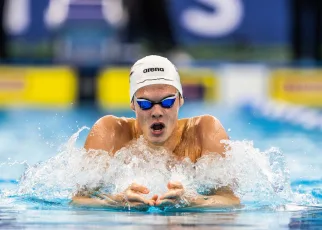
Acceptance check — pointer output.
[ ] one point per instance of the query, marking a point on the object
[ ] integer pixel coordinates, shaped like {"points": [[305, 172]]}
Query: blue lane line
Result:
{"points": [[11, 181]]}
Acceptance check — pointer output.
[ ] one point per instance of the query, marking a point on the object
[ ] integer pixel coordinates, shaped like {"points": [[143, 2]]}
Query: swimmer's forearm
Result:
{"points": [[89, 201], [215, 201]]}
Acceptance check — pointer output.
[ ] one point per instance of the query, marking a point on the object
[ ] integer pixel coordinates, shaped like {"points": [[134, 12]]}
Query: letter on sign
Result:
{"points": [[225, 18]]}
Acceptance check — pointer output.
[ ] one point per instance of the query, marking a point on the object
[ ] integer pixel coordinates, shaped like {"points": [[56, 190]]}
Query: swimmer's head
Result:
{"points": [[156, 97], [152, 70]]}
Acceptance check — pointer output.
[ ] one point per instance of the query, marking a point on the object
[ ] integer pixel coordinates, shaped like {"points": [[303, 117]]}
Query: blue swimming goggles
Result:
{"points": [[165, 103]]}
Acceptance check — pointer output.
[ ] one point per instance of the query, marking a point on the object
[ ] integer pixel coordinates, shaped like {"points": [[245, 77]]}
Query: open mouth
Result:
{"points": [[158, 126]]}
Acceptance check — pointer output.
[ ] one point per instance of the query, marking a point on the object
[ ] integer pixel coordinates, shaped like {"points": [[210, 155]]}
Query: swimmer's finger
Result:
{"points": [[155, 197], [165, 202], [172, 194], [139, 188], [137, 198]]}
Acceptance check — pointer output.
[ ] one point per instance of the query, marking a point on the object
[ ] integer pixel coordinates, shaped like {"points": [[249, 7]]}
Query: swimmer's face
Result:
{"points": [[157, 123]]}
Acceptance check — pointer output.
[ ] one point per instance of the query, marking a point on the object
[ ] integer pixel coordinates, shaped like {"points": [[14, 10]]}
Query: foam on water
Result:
{"points": [[255, 176]]}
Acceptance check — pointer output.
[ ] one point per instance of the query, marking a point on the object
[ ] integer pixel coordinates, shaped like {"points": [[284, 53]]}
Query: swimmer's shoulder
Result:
{"points": [[208, 124], [200, 122], [118, 124], [110, 133], [203, 127], [210, 133]]}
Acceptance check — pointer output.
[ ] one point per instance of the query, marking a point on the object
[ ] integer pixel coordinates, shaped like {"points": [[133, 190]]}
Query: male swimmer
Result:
{"points": [[156, 96]]}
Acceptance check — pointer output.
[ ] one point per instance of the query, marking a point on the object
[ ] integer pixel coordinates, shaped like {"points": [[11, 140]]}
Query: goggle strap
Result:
{"points": [[173, 97]]}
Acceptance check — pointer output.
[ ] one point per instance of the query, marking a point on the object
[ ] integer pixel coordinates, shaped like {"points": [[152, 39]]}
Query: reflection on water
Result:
{"points": [[306, 220], [19, 218]]}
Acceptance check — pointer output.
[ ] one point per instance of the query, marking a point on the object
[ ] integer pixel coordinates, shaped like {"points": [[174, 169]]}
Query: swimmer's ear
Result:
{"points": [[181, 101], [132, 106]]}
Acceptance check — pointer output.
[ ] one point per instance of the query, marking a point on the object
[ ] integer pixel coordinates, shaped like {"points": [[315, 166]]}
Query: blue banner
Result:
{"points": [[194, 21]]}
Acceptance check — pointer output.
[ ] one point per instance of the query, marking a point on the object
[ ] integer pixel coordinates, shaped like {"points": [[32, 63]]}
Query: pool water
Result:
{"points": [[28, 137]]}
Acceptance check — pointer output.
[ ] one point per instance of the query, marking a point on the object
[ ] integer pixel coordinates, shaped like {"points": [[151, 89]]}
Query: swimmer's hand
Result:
{"points": [[176, 197], [173, 197], [131, 198]]}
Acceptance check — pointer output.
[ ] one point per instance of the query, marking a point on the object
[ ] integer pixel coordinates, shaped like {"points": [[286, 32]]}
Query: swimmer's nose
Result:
{"points": [[157, 111]]}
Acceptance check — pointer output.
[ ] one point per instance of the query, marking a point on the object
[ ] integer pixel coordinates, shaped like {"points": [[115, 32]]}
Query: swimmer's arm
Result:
{"points": [[98, 201], [223, 197], [215, 201], [87, 201], [176, 194], [85, 197], [211, 132], [131, 197]]}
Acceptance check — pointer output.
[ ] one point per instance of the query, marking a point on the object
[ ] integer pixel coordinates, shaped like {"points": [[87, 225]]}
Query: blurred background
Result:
{"points": [[80, 46], [58, 52], [254, 64]]}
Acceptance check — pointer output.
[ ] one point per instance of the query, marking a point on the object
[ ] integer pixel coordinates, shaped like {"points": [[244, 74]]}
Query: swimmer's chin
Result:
{"points": [[156, 141]]}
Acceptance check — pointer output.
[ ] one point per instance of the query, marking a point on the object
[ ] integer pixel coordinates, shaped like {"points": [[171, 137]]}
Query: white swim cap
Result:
{"points": [[151, 70]]}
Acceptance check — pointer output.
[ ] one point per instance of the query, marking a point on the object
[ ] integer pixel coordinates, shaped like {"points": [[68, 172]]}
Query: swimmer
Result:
{"points": [[155, 97]]}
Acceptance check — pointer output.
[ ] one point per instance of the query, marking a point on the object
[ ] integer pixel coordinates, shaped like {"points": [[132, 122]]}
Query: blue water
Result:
{"points": [[31, 136]]}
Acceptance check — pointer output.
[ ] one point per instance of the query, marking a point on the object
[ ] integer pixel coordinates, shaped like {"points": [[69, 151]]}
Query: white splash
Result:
{"points": [[255, 176]]}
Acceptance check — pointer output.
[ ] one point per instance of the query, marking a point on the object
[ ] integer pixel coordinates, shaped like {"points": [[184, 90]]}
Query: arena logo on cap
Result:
{"points": [[153, 70]]}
